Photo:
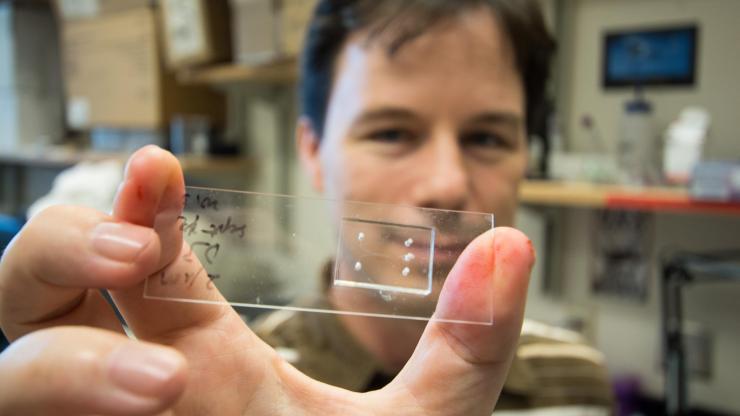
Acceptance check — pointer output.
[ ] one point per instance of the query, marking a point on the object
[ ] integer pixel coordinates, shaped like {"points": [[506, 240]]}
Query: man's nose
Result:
{"points": [[445, 180]]}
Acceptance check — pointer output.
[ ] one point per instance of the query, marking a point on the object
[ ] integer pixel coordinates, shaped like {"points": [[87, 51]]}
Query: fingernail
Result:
{"points": [[120, 242], [143, 370]]}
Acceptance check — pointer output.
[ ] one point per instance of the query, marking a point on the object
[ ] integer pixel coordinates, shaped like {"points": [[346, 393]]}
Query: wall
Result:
{"points": [[30, 83], [717, 88], [628, 332]]}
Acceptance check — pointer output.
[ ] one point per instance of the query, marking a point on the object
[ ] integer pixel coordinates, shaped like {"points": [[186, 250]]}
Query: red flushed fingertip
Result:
{"points": [[531, 249], [153, 184], [468, 291]]}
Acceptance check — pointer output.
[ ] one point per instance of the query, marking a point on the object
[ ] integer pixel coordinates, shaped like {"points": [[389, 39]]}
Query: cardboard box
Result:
{"points": [[295, 16], [196, 32], [266, 30], [87, 9], [30, 84], [114, 76], [255, 31]]}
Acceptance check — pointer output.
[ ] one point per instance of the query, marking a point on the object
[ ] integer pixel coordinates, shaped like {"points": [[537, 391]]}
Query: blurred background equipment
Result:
{"points": [[189, 135], [88, 184], [652, 56], [716, 182], [640, 58], [637, 146], [679, 272], [621, 254], [684, 144], [30, 77]]}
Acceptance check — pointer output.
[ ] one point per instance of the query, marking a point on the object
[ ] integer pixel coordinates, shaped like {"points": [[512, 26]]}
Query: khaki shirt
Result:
{"points": [[552, 367]]}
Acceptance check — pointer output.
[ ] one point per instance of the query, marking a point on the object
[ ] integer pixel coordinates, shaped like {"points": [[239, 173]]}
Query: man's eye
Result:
{"points": [[485, 140], [391, 135]]}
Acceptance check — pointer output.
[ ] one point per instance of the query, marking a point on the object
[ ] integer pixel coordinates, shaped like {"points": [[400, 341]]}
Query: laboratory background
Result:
{"points": [[632, 195]]}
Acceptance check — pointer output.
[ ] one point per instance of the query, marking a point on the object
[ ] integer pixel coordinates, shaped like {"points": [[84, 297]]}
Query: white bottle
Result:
{"points": [[684, 141], [637, 147]]}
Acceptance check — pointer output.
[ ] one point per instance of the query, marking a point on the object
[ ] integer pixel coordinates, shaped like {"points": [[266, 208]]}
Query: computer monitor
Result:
{"points": [[650, 57]]}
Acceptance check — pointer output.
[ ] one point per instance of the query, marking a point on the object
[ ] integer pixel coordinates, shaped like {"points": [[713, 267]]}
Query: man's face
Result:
{"points": [[438, 124]]}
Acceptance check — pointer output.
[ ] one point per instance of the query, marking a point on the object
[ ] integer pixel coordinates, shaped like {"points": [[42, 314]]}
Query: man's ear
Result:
{"points": [[308, 144]]}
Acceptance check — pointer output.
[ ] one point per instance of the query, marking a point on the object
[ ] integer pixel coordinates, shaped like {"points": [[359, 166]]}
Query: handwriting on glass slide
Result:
{"points": [[203, 236]]}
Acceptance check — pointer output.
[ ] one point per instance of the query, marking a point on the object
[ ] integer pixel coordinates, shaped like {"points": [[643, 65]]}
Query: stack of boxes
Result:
{"points": [[199, 32], [116, 83], [266, 30], [196, 32], [107, 68]]}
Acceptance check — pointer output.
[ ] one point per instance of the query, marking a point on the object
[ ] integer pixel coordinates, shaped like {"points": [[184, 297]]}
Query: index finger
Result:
{"points": [[152, 195]]}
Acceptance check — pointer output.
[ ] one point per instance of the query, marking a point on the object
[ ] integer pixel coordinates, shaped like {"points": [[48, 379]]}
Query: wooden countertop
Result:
{"points": [[588, 195]]}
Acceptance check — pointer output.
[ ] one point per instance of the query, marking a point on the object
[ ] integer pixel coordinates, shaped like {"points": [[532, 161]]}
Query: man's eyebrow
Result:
{"points": [[497, 117], [385, 113]]}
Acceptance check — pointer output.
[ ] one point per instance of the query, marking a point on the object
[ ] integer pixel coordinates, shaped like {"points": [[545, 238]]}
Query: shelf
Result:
{"points": [[586, 195], [62, 157], [213, 164], [281, 72], [532, 192]]}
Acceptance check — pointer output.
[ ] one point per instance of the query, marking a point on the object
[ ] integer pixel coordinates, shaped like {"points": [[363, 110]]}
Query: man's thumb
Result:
{"points": [[456, 362]]}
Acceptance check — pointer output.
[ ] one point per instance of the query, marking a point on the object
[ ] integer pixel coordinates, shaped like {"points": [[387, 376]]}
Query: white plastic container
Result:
{"points": [[684, 142]]}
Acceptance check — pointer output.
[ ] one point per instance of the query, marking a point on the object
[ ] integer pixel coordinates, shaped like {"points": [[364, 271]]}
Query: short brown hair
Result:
{"points": [[403, 20]]}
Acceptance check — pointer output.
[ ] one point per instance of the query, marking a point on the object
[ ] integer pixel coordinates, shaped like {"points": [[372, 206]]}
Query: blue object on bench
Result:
{"points": [[9, 227]]}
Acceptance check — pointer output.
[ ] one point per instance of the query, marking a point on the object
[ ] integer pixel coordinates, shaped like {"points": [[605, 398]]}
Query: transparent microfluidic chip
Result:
{"points": [[317, 255]]}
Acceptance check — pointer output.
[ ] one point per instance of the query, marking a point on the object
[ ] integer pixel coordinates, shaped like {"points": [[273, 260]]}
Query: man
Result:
{"points": [[69, 354], [423, 103]]}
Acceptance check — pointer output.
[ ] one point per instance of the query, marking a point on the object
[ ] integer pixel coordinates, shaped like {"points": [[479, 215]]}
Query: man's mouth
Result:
{"points": [[446, 249]]}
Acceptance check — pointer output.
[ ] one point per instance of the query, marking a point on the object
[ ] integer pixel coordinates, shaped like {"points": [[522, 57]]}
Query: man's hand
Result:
{"points": [[70, 355]]}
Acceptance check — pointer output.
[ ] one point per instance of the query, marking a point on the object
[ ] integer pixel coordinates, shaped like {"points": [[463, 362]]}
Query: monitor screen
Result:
{"points": [[650, 57]]}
